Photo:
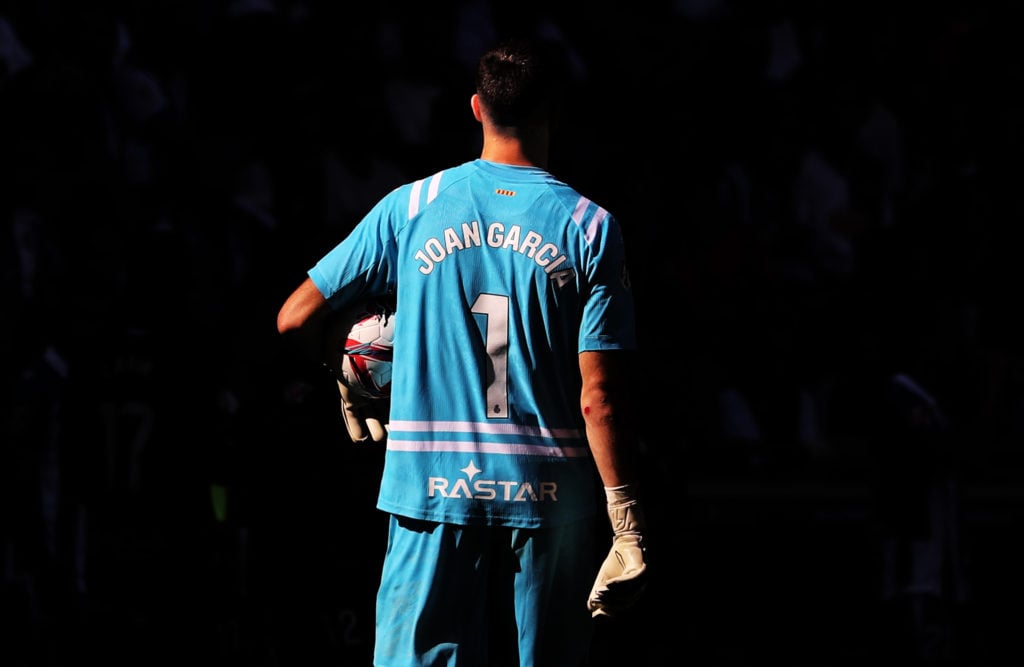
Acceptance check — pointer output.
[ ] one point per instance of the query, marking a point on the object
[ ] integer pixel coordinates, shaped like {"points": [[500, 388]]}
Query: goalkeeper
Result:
{"points": [[509, 431]]}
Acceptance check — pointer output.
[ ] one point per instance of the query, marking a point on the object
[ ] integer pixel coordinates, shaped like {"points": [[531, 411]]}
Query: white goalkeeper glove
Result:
{"points": [[366, 419], [623, 575]]}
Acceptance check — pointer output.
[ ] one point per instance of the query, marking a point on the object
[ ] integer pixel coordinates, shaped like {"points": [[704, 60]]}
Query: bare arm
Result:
{"points": [[608, 414], [302, 320]]}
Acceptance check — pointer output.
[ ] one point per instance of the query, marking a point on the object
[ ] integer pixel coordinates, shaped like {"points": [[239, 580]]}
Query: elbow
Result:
{"points": [[595, 406], [304, 304], [286, 321]]}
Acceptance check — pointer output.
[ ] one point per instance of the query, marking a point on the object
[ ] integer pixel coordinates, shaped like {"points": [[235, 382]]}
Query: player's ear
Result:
{"points": [[474, 102]]}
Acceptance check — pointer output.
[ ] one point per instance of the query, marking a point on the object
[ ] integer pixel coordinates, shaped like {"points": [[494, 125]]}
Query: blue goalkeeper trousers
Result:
{"points": [[476, 596]]}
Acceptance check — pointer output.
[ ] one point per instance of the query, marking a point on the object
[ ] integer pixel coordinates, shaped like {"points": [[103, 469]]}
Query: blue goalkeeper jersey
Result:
{"points": [[503, 274]]}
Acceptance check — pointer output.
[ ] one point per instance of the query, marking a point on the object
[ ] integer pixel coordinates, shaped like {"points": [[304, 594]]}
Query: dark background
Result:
{"points": [[820, 203]]}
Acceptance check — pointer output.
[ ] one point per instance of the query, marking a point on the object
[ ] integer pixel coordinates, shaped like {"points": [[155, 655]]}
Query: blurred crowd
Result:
{"points": [[817, 199]]}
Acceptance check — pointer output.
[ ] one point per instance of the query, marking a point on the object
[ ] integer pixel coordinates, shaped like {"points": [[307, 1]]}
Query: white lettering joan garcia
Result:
{"points": [[529, 244], [489, 489]]}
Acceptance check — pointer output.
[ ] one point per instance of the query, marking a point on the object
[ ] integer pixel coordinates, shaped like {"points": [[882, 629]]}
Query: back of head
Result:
{"points": [[518, 83]]}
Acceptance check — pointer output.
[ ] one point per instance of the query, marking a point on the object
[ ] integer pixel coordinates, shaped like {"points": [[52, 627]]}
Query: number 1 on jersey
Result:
{"points": [[494, 308]]}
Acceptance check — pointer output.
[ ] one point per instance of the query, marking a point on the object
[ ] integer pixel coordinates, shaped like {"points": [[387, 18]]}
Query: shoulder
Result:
{"points": [[414, 196], [590, 217]]}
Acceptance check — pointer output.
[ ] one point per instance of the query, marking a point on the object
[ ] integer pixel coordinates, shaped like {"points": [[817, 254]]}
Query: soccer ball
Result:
{"points": [[364, 338]]}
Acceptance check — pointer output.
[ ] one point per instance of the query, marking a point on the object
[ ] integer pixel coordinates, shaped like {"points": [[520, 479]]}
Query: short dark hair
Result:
{"points": [[518, 82]]}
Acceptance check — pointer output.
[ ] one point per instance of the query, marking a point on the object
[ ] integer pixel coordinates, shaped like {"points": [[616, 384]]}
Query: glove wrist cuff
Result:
{"points": [[620, 495], [624, 511]]}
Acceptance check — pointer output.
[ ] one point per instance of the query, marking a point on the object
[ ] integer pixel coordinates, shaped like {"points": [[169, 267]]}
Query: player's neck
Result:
{"points": [[515, 151]]}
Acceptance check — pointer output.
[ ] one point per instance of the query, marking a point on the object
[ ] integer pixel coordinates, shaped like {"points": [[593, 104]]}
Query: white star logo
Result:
{"points": [[471, 470]]}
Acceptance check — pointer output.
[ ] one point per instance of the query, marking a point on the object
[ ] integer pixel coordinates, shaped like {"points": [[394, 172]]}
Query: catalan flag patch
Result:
{"points": [[507, 193]]}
